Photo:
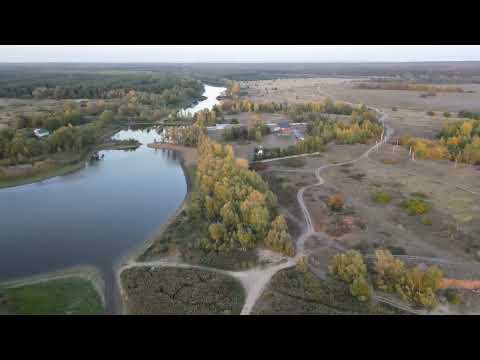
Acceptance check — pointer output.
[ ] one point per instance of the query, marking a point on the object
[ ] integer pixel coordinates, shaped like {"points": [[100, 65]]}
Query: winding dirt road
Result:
{"points": [[255, 280]]}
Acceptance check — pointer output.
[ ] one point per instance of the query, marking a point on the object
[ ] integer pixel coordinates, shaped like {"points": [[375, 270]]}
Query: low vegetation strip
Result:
{"points": [[181, 291], [66, 296], [407, 87], [299, 291]]}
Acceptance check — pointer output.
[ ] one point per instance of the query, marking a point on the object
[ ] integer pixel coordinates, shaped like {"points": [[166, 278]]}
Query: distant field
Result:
{"points": [[316, 89]]}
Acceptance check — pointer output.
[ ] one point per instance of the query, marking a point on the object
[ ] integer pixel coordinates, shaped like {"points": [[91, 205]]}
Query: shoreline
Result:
{"points": [[136, 252], [63, 169]]}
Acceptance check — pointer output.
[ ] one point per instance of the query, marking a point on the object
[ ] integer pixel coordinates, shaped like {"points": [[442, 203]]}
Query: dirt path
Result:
{"points": [[255, 280]]}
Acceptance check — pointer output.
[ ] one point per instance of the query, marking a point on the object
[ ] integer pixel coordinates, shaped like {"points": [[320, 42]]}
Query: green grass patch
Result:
{"points": [[41, 175], [415, 206], [181, 291], [381, 197], [69, 296]]}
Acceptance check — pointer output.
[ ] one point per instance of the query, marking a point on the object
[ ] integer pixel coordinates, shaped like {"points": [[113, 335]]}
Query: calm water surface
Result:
{"points": [[93, 216]]}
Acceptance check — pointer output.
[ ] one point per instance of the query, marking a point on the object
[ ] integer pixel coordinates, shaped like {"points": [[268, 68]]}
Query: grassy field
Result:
{"points": [[181, 291], [315, 89], [57, 170], [68, 296], [295, 291]]}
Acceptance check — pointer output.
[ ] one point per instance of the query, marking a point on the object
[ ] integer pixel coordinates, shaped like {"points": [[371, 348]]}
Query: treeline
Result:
{"points": [[236, 203], [458, 141], [469, 115], [407, 86], [414, 285], [327, 106], [362, 127], [95, 85], [462, 140]]}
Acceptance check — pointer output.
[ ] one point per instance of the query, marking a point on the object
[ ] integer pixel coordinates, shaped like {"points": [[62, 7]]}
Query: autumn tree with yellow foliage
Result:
{"points": [[236, 203]]}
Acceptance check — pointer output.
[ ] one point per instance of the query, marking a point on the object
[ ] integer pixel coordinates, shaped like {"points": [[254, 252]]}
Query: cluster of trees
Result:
{"points": [[253, 131], [70, 131], [469, 115], [236, 203], [208, 117], [360, 129], [51, 121], [19, 147], [459, 141], [424, 148], [413, 285], [351, 268], [407, 86], [183, 135], [292, 110], [462, 140]]}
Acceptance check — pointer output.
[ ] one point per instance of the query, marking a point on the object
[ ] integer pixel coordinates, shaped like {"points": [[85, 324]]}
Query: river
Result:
{"points": [[96, 215]]}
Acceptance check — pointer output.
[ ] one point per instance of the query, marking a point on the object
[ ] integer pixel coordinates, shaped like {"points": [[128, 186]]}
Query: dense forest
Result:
{"points": [[80, 124], [171, 89], [236, 203]]}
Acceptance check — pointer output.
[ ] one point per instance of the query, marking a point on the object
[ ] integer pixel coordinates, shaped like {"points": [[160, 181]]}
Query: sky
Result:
{"points": [[237, 53]]}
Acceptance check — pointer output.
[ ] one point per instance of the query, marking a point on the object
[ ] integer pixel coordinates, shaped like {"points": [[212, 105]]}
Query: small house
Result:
{"points": [[41, 133], [284, 127]]}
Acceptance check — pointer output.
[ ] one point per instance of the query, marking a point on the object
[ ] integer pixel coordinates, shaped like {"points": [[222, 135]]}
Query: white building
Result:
{"points": [[40, 133]]}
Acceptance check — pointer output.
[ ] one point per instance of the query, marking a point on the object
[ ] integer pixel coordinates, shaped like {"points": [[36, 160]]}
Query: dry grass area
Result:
{"points": [[315, 89], [417, 123], [450, 230], [11, 108], [170, 291]]}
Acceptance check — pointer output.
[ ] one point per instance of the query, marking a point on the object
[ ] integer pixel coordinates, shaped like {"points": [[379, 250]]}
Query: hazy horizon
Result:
{"points": [[187, 54]]}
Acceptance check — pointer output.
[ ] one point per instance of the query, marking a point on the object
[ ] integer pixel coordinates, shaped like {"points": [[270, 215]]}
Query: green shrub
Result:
{"points": [[453, 297], [381, 197], [388, 270], [347, 267], [415, 206], [336, 202], [447, 114], [360, 289], [418, 287]]}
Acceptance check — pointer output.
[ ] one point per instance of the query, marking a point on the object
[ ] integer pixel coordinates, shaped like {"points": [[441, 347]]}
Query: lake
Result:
{"points": [[93, 216]]}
